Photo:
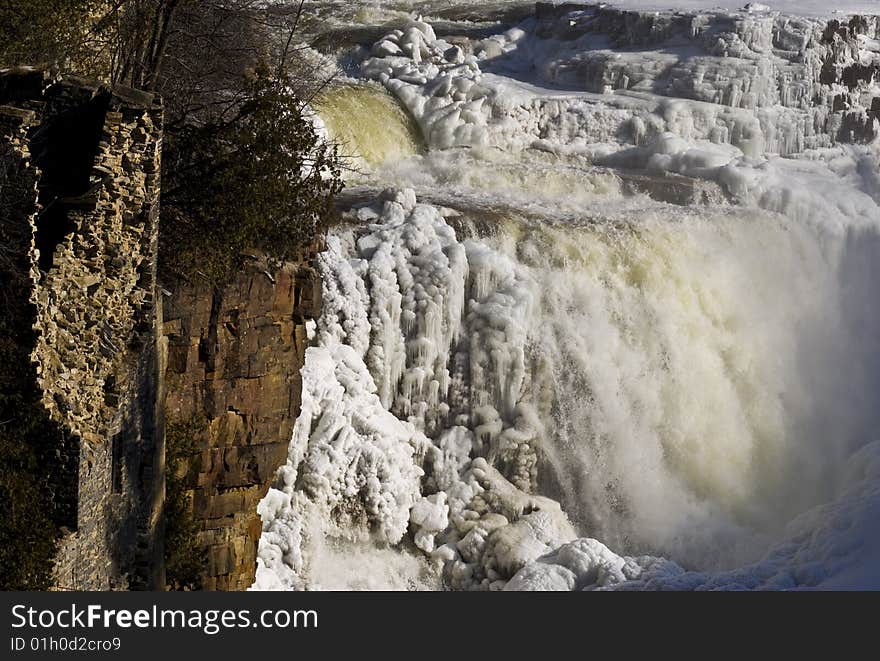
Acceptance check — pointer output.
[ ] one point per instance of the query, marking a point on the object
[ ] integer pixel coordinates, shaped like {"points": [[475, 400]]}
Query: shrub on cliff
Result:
{"points": [[68, 34], [242, 165], [260, 179]]}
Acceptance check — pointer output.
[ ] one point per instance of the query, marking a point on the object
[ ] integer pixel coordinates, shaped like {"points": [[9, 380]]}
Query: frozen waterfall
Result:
{"points": [[592, 338]]}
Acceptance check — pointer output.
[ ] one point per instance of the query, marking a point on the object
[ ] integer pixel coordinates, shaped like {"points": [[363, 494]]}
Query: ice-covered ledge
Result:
{"points": [[816, 8]]}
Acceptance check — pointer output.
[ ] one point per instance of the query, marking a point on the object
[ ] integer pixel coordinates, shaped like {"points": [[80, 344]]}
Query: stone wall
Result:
{"points": [[88, 252], [234, 360], [97, 293]]}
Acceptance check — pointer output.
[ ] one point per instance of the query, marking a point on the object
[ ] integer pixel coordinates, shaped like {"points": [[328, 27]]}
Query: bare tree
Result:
{"points": [[144, 28]]}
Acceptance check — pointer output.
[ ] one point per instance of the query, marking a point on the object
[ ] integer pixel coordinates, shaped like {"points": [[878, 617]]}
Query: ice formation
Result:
{"points": [[761, 82], [536, 369]]}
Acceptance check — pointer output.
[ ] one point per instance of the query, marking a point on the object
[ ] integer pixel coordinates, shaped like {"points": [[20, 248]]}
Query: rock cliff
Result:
{"points": [[234, 360]]}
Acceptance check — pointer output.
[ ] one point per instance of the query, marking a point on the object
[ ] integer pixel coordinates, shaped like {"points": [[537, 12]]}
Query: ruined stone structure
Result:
{"points": [[234, 360], [85, 160]]}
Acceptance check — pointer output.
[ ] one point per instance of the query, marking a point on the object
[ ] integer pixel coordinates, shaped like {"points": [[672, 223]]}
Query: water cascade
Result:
{"points": [[586, 340], [368, 124]]}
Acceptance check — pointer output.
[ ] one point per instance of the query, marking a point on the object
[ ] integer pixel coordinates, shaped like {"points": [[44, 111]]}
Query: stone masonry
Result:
{"points": [[89, 244]]}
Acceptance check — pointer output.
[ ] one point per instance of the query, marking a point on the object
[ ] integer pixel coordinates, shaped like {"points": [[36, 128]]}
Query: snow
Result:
{"points": [[429, 516], [733, 135], [350, 460], [790, 7], [584, 564]]}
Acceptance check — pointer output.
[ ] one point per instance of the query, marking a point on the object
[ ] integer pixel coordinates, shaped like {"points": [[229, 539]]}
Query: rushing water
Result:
{"points": [[368, 125], [683, 380], [703, 378]]}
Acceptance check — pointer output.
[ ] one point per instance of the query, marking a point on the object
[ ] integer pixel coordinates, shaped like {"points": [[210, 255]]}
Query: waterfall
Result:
{"points": [[368, 125], [534, 371]]}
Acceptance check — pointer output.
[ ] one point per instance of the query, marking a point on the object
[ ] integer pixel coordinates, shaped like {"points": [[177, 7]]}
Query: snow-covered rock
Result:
{"points": [[758, 81]]}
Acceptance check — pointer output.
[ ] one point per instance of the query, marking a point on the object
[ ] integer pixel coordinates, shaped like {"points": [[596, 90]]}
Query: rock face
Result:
{"points": [[86, 156], [234, 360]]}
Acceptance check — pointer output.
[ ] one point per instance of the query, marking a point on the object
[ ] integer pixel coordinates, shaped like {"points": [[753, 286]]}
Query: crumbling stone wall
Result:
{"points": [[234, 360], [89, 250], [98, 295]]}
